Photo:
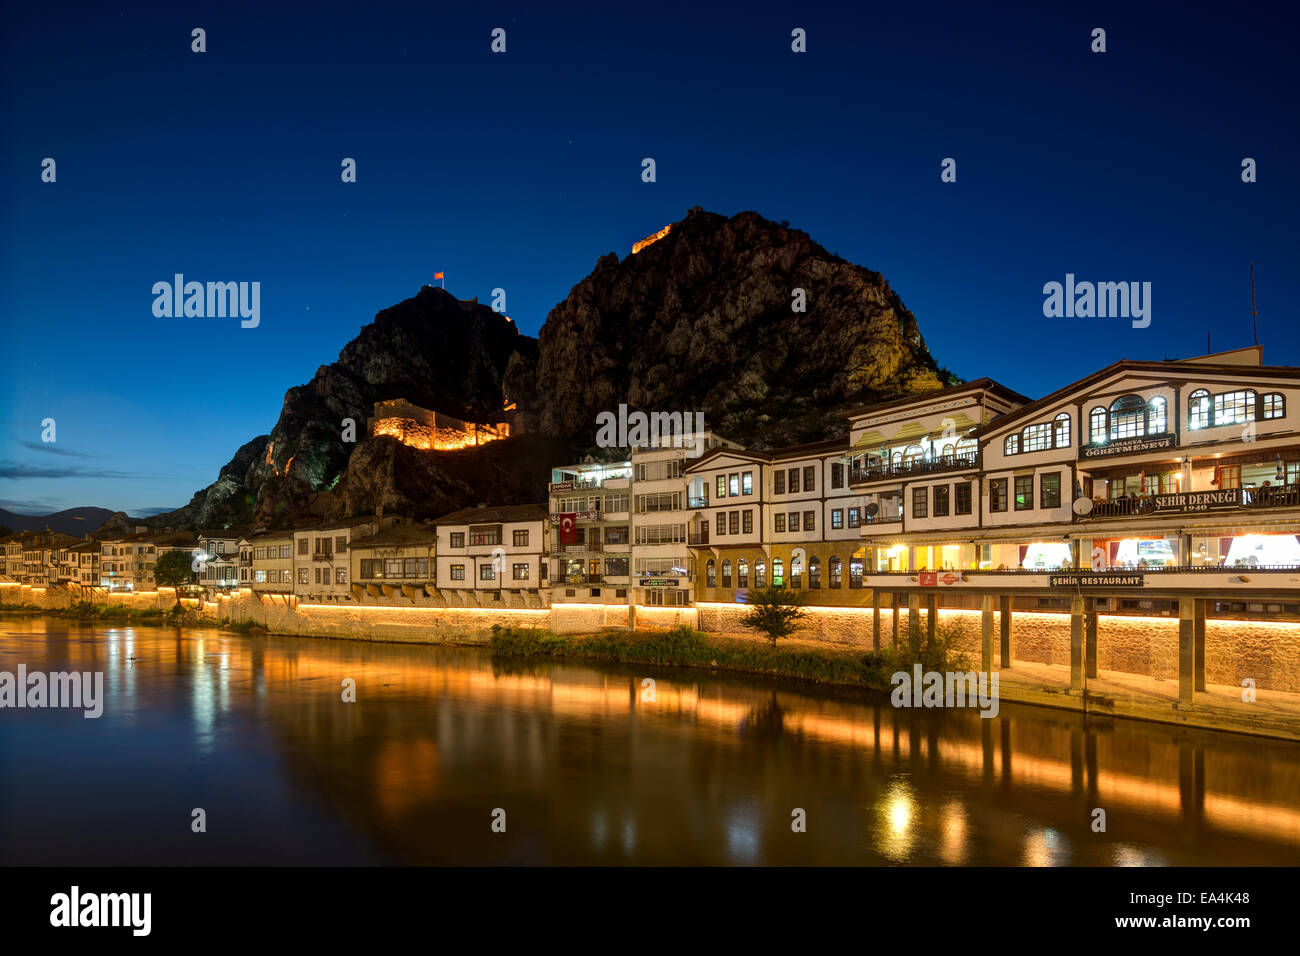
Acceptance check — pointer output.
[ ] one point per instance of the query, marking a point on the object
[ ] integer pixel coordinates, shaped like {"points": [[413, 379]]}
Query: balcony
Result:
{"points": [[323, 556], [697, 501], [1197, 502], [698, 538], [578, 548], [581, 580], [906, 469]]}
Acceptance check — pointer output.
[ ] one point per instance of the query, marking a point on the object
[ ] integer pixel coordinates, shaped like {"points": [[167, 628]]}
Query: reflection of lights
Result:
{"points": [[952, 824], [898, 810], [1127, 855], [742, 835], [1046, 847], [629, 835]]}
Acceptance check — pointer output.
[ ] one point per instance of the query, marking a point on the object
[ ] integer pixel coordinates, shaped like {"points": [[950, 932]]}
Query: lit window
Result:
{"points": [[1012, 445], [1274, 405], [1097, 425], [1037, 437], [1157, 416], [1061, 431], [1234, 408], [1198, 409], [1128, 418]]}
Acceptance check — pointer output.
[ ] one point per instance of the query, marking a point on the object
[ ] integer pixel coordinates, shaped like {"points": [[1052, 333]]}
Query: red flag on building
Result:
{"points": [[569, 528]]}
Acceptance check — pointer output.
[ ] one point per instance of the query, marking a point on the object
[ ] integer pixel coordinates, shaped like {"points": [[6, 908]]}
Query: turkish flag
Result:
{"points": [[569, 528]]}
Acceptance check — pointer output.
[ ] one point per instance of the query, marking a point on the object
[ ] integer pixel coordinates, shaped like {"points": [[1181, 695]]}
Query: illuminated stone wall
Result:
{"points": [[428, 430]]}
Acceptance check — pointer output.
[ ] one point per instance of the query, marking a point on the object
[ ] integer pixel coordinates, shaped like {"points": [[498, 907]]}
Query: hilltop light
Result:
{"points": [[648, 240]]}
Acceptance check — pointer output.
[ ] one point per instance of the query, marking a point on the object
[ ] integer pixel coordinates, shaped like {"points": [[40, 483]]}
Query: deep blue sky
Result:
{"points": [[520, 170]]}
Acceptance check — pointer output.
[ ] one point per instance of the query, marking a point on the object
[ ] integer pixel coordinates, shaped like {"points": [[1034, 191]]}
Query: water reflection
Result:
{"points": [[587, 767]]}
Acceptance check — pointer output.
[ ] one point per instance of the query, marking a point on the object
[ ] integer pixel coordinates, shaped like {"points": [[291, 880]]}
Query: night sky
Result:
{"points": [[520, 170]]}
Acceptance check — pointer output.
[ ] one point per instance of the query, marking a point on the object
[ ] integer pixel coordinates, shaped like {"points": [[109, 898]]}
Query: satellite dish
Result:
{"points": [[872, 509], [1082, 506]]}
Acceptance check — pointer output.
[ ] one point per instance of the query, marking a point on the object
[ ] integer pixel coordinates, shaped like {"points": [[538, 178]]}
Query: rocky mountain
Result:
{"points": [[700, 318], [704, 319], [77, 521]]}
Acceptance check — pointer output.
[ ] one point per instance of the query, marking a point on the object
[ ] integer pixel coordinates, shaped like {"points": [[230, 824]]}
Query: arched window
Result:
{"points": [[967, 446], [726, 572], [814, 573], [742, 573], [778, 572], [1128, 417], [711, 574], [898, 458], [836, 571], [796, 572], [1198, 409], [1157, 416], [1012, 445], [1097, 425], [914, 453], [948, 451], [1061, 431], [1274, 405], [760, 573]]}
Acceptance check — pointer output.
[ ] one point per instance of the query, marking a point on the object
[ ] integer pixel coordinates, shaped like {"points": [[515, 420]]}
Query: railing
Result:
{"points": [[1116, 569], [918, 467], [697, 537], [580, 579], [323, 556], [579, 547], [1281, 496], [697, 501], [880, 518]]}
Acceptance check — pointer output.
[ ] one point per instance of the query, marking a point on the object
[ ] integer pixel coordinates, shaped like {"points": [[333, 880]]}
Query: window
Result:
{"points": [[733, 522], [920, 502], [810, 521], [742, 573], [1157, 416], [837, 474], [760, 573], [855, 572], [284, 552], [1050, 489], [941, 493], [836, 569], [1234, 408], [1274, 405], [747, 521], [747, 483], [458, 572], [302, 575], [520, 571], [837, 518], [814, 574], [259, 554], [1012, 445], [810, 478], [778, 572], [1037, 437], [1024, 492], [854, 517], [1198, 409], [720, 522], [1061, 431], [963, 499], [792, 520], [302, 548], [458, 539], [733, 485], [259, 577], [487, 572], [721, 488], [392, 568], [998, 494], [711, 574], [792, 479], [341, 543], [521, 539], [340, 575], [1097, 425], [1128, 417], [796, 572], [726, 572], [778, 482]]}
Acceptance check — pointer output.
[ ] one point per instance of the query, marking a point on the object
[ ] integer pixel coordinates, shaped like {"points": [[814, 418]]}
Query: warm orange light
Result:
{"points": [[648, 240], [439, 437]]}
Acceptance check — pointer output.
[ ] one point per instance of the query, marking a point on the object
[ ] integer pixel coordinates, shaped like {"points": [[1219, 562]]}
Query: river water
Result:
{"points": [[580, 765]]}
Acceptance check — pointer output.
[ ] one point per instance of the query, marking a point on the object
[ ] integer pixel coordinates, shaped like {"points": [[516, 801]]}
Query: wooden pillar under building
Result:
{"points": [[914, 623], [1186, 651], [875, 620], [1076, 644], [1198, 642], [931, 616], [1090, 643], [1004, 623], [986, 633], [896, 599]]}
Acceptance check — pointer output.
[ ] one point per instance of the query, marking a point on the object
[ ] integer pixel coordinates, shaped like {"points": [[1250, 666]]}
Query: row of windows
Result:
{"points": [[734, 522], [482, 537], [834, 573], [734, 484], [488, 572], [271, 552], [783, 522], [394, 567], [1040, 437], [1022, 492], [788, 480], [1232, 408], [941, 500], [274, 576], [323, 576]]}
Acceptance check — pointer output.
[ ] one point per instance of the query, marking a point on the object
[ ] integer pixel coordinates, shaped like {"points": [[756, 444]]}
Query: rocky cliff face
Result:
{"points": [[699, 320], [702, 320]]}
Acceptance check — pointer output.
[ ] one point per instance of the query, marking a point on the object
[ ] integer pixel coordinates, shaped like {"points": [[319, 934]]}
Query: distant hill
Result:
{"points": [[78, 521]]}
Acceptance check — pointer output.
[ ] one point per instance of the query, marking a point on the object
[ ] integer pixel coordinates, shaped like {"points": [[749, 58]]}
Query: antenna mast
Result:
{"points": [[1254, 316]]}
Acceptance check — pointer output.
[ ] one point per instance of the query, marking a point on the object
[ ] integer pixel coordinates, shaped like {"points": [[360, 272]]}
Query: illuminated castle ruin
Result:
{"points": [[429, 430]]}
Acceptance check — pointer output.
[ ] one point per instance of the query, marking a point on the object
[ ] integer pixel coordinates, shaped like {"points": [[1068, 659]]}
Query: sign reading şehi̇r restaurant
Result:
{"points": [[1127, 446], [1095, 579]]}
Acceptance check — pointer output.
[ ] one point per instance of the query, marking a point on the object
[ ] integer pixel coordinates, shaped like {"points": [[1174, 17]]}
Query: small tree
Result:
{"points": [[173, 570], [774, 611]]}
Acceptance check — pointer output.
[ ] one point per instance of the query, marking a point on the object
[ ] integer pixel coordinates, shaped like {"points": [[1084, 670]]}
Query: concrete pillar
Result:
{"points": [[1090, 643], [1005, 625], [1198, 641], [986, 633], [1186, 651], [875, 620], [931, 615], [1076, 644], [914, 622]]}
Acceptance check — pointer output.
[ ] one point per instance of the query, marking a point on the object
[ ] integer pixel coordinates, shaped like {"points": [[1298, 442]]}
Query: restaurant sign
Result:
{"points": [[657, 583], [1127, 446], [930, 579], [1192, 501], [1095, 579]]}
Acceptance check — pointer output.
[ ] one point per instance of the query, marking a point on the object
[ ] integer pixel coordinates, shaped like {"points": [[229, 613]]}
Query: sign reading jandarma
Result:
{"points": [[1095, 579], [1127, 446]]}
